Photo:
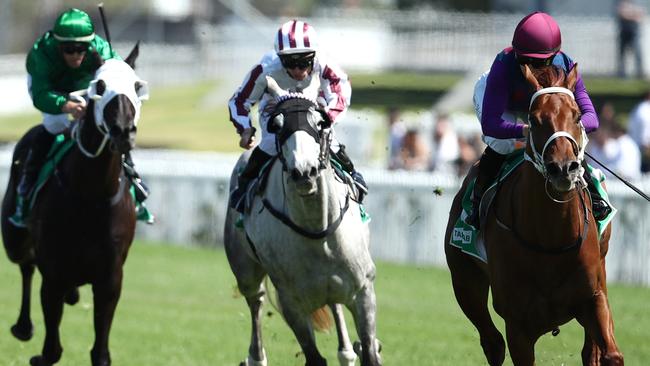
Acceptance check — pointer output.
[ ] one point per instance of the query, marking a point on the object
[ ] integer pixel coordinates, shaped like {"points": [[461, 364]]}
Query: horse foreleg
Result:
{"points": [[590, 352], [346, 354], [364, 312], [521, 345], [596, 318], [52, 303], [23, 329], [106, 294], [256, 354], [302, 328], [471, 287]]}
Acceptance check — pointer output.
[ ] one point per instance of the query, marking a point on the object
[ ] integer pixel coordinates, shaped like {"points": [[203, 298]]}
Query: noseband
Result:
{"points": [[538, 159]]}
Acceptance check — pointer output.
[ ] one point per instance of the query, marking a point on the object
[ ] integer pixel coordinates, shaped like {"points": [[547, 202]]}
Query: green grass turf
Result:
{"points": [[179, 307]]}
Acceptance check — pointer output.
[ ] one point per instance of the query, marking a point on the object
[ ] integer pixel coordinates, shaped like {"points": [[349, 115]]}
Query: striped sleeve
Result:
{"points": [[245, 97], [336, 90]]}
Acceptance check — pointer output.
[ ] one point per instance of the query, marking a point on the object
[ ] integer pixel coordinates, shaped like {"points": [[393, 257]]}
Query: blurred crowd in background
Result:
{"points": [[438, 149]]}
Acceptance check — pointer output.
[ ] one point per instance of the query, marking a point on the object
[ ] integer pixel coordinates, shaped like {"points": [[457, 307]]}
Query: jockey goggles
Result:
{"points": [[74, 47], [298, 60], [534, 62]]}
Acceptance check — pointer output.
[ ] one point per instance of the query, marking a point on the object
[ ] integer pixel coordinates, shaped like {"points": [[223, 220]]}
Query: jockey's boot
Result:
{"points": [[488, 167], [41, 144], [346, 163], [257, 159], [141, 189], [600, 208]]}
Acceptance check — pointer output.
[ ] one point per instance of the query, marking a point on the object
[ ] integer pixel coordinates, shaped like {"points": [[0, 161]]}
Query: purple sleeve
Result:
{"points": [[494, 104], [589, 116]]}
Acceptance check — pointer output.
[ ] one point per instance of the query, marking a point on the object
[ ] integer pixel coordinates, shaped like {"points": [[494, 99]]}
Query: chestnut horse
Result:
{"points": [[546, 260], [83, 222]]}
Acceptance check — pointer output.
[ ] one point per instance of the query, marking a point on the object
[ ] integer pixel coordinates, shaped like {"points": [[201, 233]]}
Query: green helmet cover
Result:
{"points": [[74, 25]]}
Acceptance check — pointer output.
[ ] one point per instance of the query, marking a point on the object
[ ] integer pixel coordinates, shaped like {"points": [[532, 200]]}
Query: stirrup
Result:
{"points": [[360, 182], [141, 189]]}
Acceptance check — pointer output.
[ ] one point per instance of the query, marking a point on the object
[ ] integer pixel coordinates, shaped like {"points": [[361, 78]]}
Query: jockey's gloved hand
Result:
{"points": [[247, 138]]}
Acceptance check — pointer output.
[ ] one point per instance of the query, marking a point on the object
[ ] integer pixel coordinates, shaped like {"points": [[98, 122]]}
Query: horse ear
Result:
{"points": [[142, 89], [96, 89], [130, 59], [572, 78], [528, 75], [100, 87], [273, 87]]}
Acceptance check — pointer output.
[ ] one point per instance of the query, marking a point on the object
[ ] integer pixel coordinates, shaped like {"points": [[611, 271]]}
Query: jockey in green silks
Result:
{"points": [[57, 65]]}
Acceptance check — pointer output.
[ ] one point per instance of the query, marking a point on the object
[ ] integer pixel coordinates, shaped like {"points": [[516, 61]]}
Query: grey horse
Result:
{"points": [[305, 231]]}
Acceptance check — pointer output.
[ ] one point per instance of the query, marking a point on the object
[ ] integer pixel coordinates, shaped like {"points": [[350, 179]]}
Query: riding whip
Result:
{"points": [[108, 34], [635, 189]]}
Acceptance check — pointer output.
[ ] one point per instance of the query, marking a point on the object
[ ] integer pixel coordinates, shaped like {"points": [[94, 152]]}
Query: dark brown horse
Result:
{"points": [[546, 262], [83, 222]]}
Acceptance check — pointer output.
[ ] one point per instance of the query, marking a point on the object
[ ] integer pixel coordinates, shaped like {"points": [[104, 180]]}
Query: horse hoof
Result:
{"points": [[38, 361], [22, 333], [72, 297]]}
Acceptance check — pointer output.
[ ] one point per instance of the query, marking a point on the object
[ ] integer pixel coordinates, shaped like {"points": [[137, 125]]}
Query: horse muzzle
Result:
{"points": [[305, 181], [563, 175]]}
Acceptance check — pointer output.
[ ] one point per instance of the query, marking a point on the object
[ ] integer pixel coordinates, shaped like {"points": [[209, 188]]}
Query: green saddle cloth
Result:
{"points": [[465, 236], [59, 149]]}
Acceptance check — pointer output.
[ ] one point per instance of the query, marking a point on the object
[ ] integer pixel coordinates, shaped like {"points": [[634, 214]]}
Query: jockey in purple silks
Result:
{"points": [[502, 94]]}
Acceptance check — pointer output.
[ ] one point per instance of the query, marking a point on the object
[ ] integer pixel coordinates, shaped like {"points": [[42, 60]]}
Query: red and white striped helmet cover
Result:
{"points": [[295, 36]]}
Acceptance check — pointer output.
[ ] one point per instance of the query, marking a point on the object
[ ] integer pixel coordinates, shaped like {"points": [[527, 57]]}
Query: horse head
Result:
{"points": [[302, 137], [116, 94], [557, 139]]}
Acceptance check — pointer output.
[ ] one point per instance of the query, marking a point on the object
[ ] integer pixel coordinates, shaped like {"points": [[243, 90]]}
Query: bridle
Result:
{"points": [[321, 134], [119, 79], [537, 159]]}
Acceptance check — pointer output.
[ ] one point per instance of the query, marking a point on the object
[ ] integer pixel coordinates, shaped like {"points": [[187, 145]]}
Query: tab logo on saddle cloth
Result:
{"points": [[460, 235]]}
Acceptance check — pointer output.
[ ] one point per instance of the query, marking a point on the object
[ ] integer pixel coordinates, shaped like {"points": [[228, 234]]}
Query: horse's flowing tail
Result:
{"points": [[321, 319]]}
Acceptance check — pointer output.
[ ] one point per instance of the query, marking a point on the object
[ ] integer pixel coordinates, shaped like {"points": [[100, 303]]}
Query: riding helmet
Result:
{"points": [[295, 36], [74, 25], [537, 36]]}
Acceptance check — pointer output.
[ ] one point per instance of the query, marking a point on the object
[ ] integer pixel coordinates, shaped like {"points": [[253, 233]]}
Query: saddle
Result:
{"points": [[470, 240], [60, 147]]}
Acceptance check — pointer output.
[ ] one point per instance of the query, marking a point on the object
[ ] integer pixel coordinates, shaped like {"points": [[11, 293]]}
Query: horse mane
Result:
{"points": [[549, 75]]}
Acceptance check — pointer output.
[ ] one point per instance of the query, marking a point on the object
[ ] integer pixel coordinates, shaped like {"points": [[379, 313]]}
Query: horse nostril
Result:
{"points": [[313, 172], [295, 174], [574, 166], [553, 169]]}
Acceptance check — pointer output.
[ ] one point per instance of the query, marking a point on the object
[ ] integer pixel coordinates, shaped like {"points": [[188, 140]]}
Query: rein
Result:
{"points": [[306, 233], [103, 130]]}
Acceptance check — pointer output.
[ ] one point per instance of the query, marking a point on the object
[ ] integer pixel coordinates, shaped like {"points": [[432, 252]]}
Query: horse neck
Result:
{"points": [[558, 222], [95, 177], [314, 212]]}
